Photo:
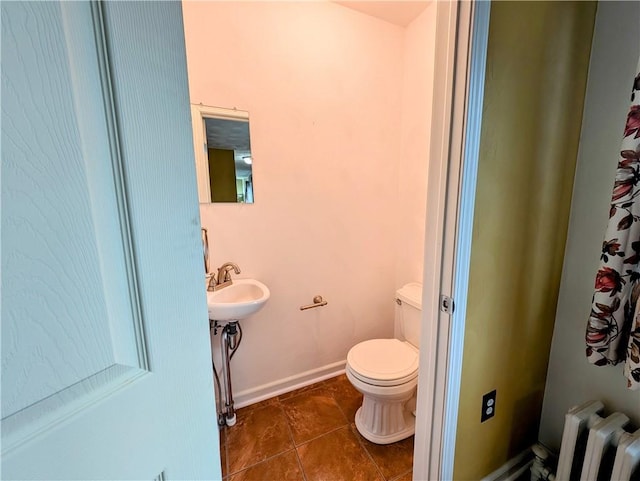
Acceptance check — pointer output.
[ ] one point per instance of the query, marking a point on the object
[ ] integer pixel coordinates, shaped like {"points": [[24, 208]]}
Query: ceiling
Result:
{"points": [[399, 12]]}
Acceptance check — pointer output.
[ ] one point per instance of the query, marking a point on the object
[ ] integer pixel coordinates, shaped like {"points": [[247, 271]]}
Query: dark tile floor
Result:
{"points": [[309, 435]]}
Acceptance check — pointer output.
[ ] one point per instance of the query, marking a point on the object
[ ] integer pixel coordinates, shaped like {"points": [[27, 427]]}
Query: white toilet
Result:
{"points": [[385, 371]]}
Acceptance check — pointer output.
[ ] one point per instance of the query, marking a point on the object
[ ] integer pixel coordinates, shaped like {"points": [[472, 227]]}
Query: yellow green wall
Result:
{"points": [[537, 64], [222, 175]]}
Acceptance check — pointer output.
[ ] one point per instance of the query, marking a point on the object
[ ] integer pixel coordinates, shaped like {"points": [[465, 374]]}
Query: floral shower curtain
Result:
{"points": [[613, 330]]}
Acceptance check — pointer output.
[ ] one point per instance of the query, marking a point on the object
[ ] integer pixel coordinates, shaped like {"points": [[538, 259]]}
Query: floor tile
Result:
{"points": [[258, 405], [284, 467], [347, 397], [320, 418], [405, 477], [302, 390], [312, 414], [337, 456], [392, 459], [223, 451], [259, 434]]}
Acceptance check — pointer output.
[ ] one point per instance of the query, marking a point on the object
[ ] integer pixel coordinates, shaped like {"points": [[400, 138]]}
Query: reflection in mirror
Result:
{"points": [[229, 153], [223, 155]]}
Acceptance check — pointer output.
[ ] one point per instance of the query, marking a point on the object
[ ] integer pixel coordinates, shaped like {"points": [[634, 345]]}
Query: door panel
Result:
{"points": [[105, 347], [48, 269]]}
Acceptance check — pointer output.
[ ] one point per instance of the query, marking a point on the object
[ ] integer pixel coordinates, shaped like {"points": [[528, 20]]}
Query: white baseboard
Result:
{"points": [[287, 384], [512, 469]]}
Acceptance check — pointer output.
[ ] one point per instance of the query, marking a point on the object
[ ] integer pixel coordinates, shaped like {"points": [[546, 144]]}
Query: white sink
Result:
{"points": [[239, 300]]}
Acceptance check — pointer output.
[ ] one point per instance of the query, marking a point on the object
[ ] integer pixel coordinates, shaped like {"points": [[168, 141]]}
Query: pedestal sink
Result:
{"points": [[238, 301], [227, 306]]}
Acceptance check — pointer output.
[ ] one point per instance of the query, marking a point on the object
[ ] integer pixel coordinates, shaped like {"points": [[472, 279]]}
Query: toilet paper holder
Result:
{"points": [[318, 301]]}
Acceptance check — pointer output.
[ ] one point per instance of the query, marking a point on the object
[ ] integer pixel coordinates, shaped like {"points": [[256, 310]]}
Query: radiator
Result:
{"points": [[594, 448]]}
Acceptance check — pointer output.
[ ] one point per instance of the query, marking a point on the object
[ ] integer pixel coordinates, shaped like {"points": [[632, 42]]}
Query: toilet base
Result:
{"points": [[384, 423]]}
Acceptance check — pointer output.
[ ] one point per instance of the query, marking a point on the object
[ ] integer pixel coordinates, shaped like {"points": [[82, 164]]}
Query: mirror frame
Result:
{"points": [[199, 113]]}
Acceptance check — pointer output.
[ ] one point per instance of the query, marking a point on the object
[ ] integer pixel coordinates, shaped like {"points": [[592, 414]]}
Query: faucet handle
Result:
{"points": [[210, 279]]}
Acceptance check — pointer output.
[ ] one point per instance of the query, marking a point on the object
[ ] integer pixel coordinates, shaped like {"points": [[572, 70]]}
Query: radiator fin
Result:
{"points": [[627, 456], [602, 438], [597, 448]]}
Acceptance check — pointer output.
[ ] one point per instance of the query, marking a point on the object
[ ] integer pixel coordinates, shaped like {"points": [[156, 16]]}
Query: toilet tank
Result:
{"points": [[409, 312]]}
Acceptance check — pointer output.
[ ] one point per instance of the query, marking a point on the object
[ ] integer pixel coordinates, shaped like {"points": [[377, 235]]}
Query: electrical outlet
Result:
{"points": [[488, 406]]}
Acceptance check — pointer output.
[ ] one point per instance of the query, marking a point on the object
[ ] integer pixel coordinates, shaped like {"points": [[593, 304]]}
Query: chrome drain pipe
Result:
{"points": [[228, 344]]}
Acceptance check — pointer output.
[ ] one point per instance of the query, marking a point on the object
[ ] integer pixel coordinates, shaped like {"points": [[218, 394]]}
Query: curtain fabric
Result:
{"points": [[613, 330]]}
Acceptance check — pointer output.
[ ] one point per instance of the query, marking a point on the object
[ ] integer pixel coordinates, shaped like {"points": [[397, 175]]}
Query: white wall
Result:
{"points": [[415, 134], [323, 86], [571, 380]]}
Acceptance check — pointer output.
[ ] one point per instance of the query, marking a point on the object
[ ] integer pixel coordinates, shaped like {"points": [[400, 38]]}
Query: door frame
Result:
{"points": [[459, 67]]}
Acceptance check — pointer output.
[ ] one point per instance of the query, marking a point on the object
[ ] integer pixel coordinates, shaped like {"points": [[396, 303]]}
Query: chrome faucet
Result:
{"points": [[224, 276]]}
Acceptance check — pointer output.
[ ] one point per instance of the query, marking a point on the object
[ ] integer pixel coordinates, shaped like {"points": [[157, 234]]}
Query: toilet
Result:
{"points": [[385, 371]]}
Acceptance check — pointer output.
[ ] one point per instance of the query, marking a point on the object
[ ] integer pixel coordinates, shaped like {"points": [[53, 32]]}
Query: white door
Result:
{"points": [[106, 362]]}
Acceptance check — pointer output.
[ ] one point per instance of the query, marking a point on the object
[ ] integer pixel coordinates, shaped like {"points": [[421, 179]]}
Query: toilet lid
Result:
{"points": [[383, 359]]}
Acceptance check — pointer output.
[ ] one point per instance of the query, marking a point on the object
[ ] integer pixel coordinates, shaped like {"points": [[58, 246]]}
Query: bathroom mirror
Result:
{"points": [[222, 147]]}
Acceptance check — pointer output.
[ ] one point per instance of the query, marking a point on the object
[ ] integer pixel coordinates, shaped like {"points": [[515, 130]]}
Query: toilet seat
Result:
{"points": [[383, 362]]}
